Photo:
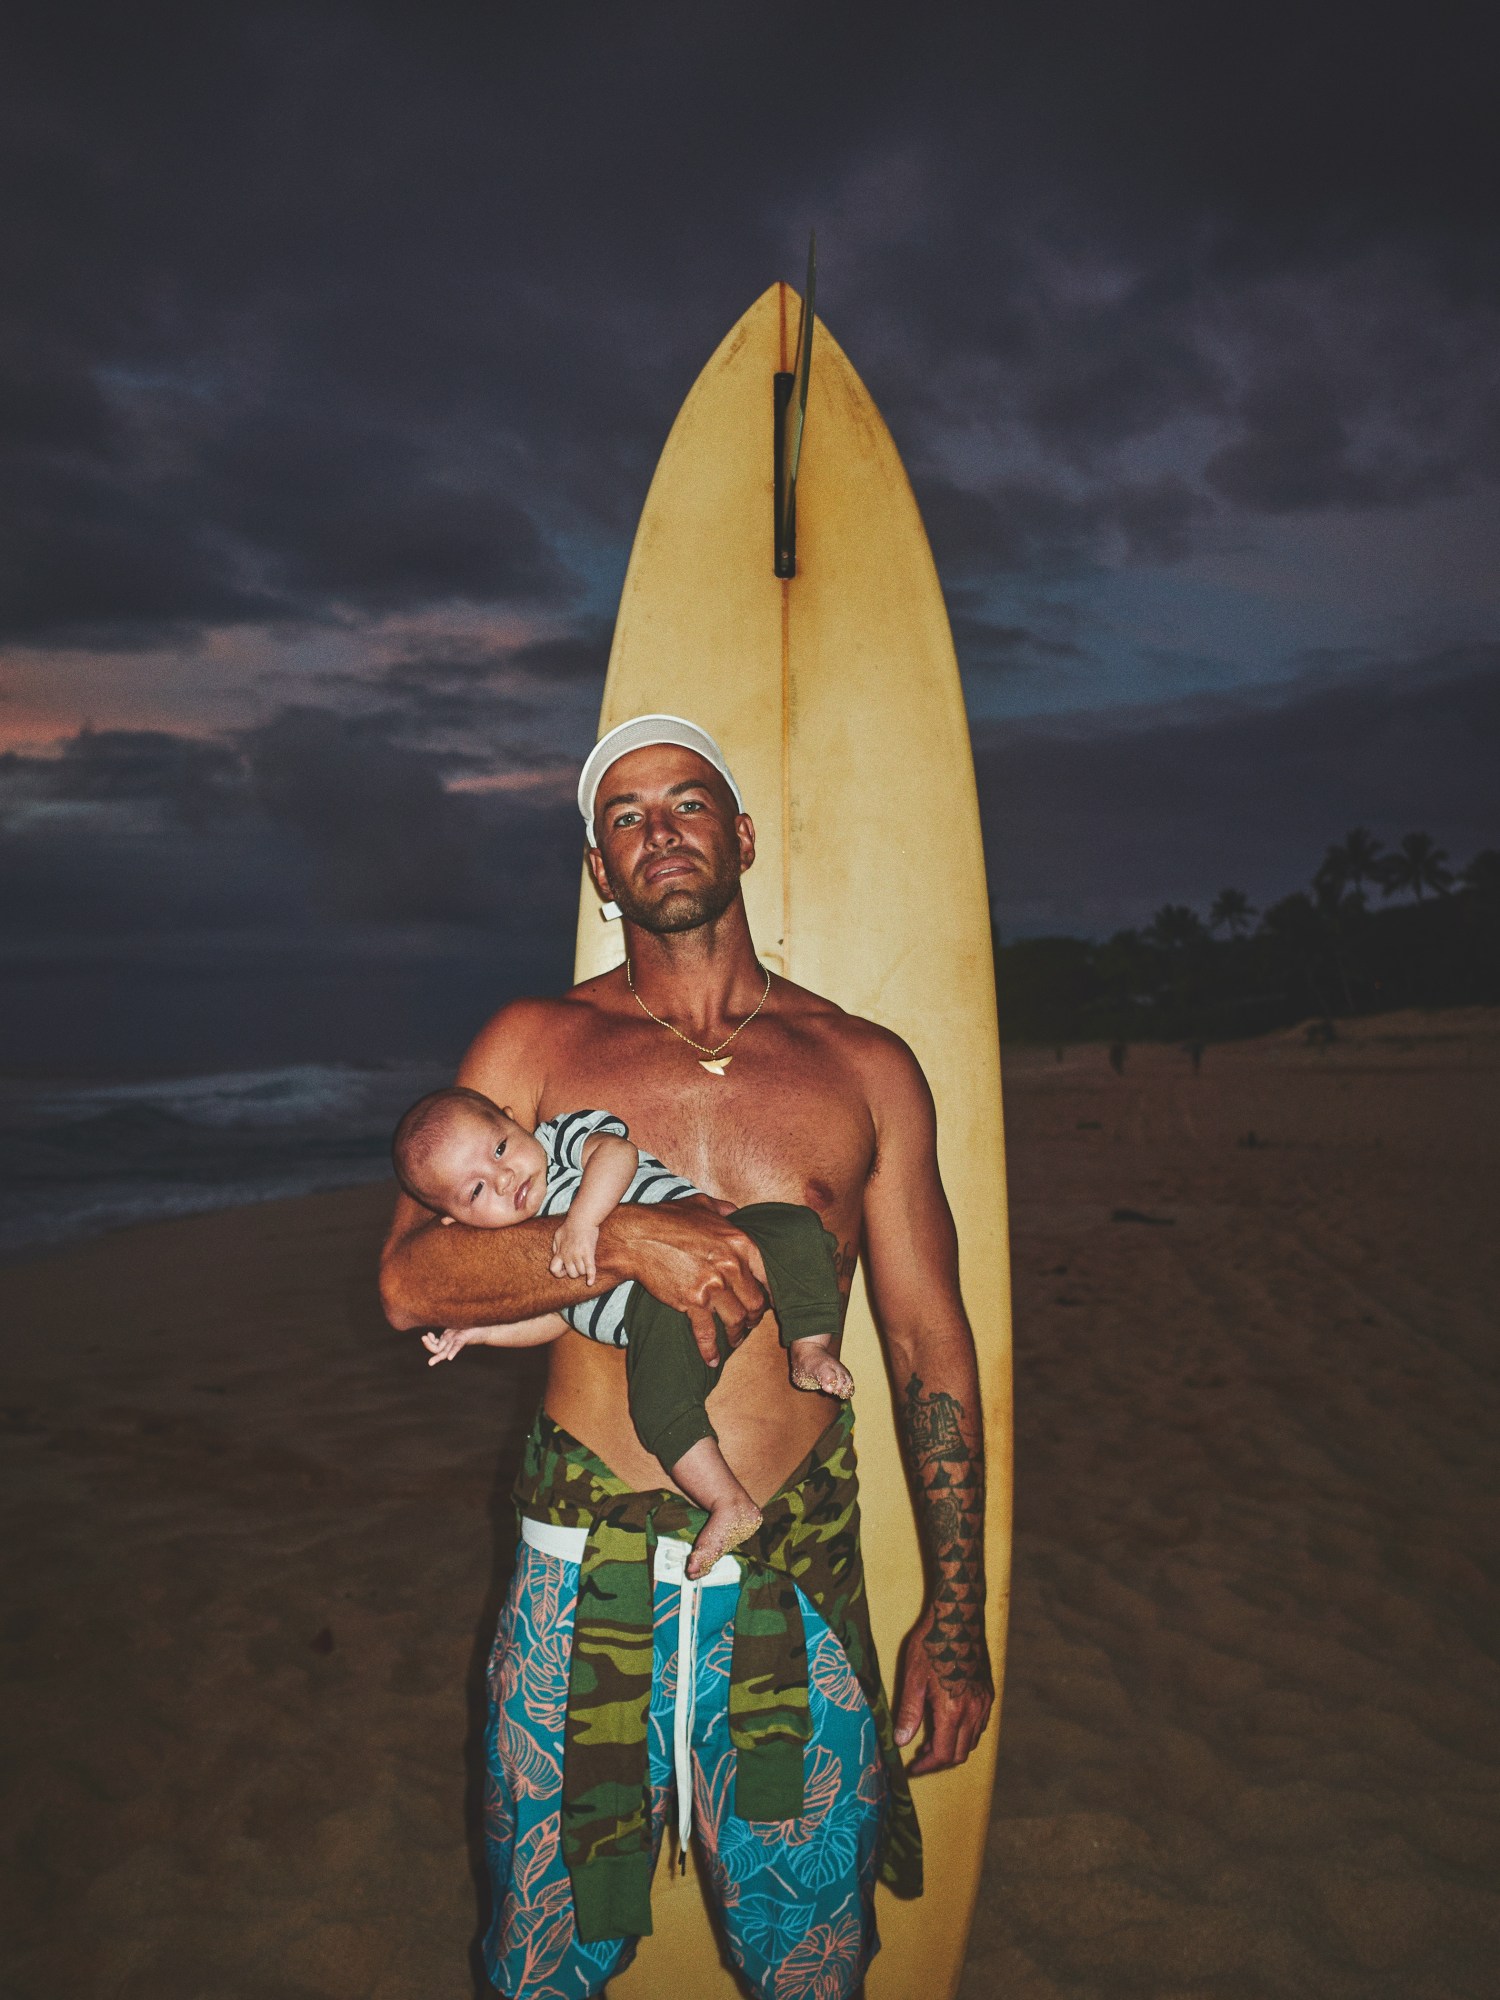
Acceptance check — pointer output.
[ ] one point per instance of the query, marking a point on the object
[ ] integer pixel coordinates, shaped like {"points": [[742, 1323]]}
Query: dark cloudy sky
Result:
{"points": [[339, 343]]}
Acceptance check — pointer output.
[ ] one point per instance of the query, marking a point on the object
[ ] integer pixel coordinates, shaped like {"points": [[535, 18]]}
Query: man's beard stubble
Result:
{"points": [[680, 909]]}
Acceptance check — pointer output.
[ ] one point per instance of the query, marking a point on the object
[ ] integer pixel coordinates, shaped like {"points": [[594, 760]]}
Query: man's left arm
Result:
{"points": [[911, 1263]]}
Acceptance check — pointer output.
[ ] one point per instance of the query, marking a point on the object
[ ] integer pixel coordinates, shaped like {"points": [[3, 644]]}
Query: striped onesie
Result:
{"points": [[562, 1140]]}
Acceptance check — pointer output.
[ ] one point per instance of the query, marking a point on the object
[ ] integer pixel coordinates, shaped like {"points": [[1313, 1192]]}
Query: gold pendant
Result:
{"points": [[716, 1065]]}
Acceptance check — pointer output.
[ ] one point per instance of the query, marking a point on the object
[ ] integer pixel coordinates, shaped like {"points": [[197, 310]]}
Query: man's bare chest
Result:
{"points": [[782, 1123]]}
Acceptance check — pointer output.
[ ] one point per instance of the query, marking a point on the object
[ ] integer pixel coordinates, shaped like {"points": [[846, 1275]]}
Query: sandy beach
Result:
{"points": [[1251, 1734]]}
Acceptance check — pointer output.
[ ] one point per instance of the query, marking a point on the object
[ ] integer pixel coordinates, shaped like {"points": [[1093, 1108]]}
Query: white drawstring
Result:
{"points": [[568, 1545], [682, 1712]]}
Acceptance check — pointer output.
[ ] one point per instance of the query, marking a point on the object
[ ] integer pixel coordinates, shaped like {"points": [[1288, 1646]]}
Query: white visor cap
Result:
{"points": [[642, 732]]}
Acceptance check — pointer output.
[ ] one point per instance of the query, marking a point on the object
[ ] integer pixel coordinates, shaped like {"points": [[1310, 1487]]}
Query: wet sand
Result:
{"points": [[1251, 1742]]}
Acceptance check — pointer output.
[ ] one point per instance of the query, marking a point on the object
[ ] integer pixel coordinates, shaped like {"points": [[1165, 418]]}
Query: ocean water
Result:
{"points": [[79, 1158]]}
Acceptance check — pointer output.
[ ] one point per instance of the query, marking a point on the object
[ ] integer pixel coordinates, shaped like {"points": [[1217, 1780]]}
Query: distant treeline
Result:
{"points": [[1378, 928]]}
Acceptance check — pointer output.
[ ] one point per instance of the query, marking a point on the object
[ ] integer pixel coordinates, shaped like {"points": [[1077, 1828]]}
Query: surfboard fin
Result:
{"points": [[790, 420]]}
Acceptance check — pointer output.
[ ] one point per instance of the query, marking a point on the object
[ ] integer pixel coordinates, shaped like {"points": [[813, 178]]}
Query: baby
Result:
{"points": [[469, 1161]]}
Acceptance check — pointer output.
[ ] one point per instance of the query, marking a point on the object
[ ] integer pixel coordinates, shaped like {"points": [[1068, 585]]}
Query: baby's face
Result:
{"points": [[489, 1172]]}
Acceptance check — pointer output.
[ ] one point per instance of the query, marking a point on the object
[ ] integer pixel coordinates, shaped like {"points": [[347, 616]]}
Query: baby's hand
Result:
{"points": [[573, 1250], [449, 1344]]}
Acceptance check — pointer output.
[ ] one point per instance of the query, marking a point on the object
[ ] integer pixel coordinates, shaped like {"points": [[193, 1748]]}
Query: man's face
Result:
{"points": [[672, 844]]}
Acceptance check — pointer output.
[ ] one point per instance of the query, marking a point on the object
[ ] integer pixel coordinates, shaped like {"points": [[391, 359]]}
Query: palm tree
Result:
{"points": [[1341, 911], [1418, 864], [1232, 911], [1348, 864], [1362, 858], [1175, 927], [1332, 876]]}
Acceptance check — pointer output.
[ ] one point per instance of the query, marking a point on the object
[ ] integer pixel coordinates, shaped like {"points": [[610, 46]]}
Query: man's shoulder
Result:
{"points": [[522, 1038], [537, 1016], [876, 1051], [881, 1069]]}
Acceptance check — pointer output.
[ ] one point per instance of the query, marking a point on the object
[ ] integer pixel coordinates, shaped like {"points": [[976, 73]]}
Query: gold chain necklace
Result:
{"points": [[716, 1063]]}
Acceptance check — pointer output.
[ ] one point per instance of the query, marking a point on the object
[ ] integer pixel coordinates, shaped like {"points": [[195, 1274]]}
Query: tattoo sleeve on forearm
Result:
{"points": [[945, 1450]]}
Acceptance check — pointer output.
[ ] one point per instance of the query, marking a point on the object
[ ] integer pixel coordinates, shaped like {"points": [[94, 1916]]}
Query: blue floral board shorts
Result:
{"points": [[795, 1898]]}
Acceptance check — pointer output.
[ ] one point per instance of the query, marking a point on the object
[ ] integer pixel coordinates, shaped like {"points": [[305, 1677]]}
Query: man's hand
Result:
{"points": [[687, 1255], [954, 1699]]}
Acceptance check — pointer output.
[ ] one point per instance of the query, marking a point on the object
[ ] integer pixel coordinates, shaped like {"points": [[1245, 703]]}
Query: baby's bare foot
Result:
{"points": [[814, 1368], [728, 1524]]}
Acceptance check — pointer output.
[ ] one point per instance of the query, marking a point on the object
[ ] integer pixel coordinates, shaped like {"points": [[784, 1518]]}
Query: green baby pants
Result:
{"points": [[667, 1378]]}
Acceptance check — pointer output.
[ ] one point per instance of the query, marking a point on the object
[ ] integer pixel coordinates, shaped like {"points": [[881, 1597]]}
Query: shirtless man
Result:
{"points": [[814, 1106]]}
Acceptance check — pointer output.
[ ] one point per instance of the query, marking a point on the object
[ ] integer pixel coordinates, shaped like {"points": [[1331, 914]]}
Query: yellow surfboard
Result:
{"points": [[836, 698]]}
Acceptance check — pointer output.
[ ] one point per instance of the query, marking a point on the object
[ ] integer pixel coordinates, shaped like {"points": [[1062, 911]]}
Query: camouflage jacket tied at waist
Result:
{"points": [[808, 1540]]}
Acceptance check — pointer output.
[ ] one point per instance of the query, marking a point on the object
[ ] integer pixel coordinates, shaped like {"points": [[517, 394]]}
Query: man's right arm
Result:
{"points": [[431, 1276], [684, 1253]]}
